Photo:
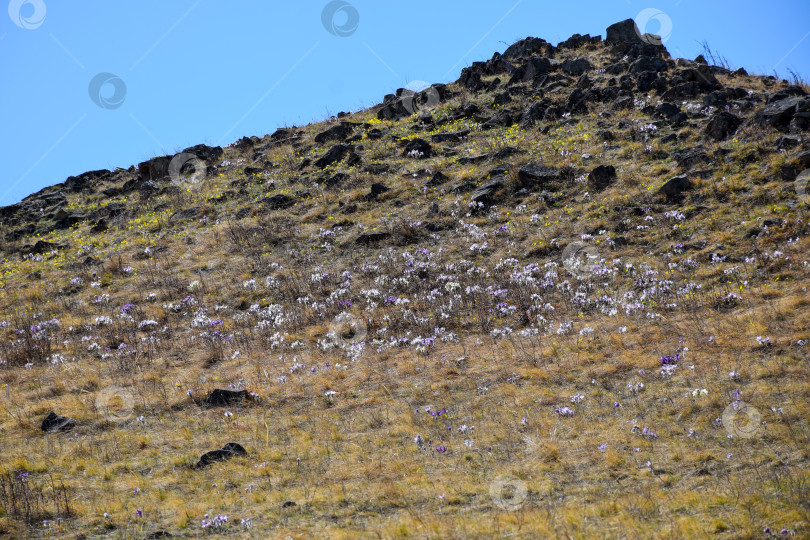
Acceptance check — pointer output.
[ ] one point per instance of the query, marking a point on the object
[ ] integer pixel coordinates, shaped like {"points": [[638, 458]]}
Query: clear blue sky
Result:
{"points": [[185, 72]]}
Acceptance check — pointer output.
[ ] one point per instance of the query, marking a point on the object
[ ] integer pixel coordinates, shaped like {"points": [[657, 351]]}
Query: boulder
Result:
{"points": [[576, 67], [209, 154], [536, 175], [223, 398], [228, 451], [601, 177], [417, 148], [336, 133], [278, 202], [53, 422], [531, 46], [778, 114], [438, 179], [485, 193], [675, 188], [721, 125], [334, 154], [155, 168], [689, 157]]}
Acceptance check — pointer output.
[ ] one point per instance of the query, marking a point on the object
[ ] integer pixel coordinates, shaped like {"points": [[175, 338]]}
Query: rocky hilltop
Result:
{"points": [[564, 295]]}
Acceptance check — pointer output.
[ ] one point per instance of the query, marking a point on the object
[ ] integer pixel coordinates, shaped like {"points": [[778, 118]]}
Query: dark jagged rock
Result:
{"points": [[278, 202], [601, 177], [577, 40], [778, 114], [532, 68], [438, 179], [336, 133], [467, 160], [535, 175], [648, 63], [722, 124], [485, 193], [418, 148], [228, 451], [209, 154], [456, 136], [531, 46], [333, 155], [185, 214], [689, 157], [675, 188], [667, 110], [377, 189], [53, 422], [366, 239], [84, 182], [576, 67], [787, 142], [794, 165], [222, 398], [377, 168], [155, 168]]}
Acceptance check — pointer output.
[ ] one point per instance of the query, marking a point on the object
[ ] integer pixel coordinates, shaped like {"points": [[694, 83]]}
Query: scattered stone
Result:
{"points": [[689, 157], [438, 179], [188, 213], [449, 137], [337, 133], [223, 398], [372, 238], [722, 124], [334, 154], [377, 189], [778, 114], [576, 67], [601, 177], [209, 154], [53, 423], [289, 504], [675, 188], [535, 175], [485, 193], [278, 202], [786, 142], [418, 148], [228, 451], [467, 160]]}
